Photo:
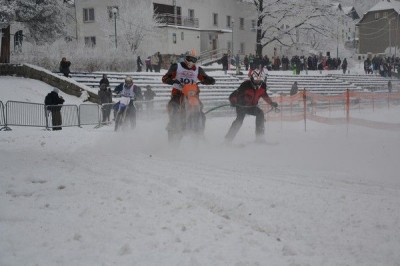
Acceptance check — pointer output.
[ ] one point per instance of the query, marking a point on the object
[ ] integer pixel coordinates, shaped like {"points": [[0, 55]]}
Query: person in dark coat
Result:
{"points": [[149, 95], [104, 80], [224, 62], [344, 66], [295, 89], [246, 62], [139, 64], [160, 61], [105, 97], [51, 101], [245, 99], [64, 67]]}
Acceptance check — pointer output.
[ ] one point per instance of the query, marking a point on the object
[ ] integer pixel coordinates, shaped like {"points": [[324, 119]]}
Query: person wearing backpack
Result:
{"points": [[53, 102], [245, 100]]}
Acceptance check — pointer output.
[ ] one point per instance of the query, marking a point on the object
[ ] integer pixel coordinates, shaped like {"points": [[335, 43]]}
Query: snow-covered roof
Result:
{"points": [[386, 5], [336, 6], [350, 11]]}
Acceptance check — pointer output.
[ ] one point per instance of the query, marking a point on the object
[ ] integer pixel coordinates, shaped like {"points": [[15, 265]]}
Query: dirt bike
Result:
{"points": [[186, 117], [126, 113]]}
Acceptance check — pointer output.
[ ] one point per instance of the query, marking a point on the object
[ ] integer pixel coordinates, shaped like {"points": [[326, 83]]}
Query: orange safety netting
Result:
{"points": [[333, 109]]}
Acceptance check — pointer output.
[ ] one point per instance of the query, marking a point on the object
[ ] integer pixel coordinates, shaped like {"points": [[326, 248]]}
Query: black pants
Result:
{"points": [[56, 119], [240, 114]]}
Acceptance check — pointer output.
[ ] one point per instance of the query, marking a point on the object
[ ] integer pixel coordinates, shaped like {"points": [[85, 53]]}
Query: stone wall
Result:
{"points": [[52, 79]]}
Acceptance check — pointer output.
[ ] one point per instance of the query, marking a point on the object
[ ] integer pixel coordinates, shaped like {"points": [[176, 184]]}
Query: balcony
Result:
{"points": [[171, 19]]}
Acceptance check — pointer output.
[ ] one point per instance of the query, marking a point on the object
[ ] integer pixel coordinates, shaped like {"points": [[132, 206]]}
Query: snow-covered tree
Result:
{"points": [[134, 22], [44, 19], [284, 21]]}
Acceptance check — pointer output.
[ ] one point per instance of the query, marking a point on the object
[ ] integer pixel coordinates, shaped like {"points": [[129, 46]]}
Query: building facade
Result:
{"points": [[378, 29], [183, 25]]}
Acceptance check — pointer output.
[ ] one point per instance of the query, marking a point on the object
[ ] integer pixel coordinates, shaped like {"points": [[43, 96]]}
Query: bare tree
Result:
{"points": [[44, 19], [135, 21], [284, 21]]}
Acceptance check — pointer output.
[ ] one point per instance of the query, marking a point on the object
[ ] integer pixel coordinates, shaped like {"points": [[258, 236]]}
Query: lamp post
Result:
{"points": [[175, 12], [233, 22], [115, 11]]}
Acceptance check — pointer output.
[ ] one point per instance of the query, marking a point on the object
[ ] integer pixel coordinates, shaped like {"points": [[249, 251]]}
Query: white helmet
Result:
{"points": [[128, 81], [190, 58], [257, 77]]}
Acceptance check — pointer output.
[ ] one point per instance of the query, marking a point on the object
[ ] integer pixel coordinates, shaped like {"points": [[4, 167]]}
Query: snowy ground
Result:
{"points": [[84, 196]]}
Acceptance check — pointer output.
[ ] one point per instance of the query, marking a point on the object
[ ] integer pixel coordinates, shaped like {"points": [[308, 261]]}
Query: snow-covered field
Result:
{"points": [[85, 196]]}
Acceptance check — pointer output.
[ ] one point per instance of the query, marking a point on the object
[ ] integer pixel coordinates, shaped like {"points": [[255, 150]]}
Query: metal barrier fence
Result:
{"points": [[89, 114], [25, 114], [3, 117], [16, 113]]}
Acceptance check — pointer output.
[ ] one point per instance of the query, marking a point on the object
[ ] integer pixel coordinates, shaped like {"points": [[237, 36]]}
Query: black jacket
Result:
{"points": [[53, 99]]}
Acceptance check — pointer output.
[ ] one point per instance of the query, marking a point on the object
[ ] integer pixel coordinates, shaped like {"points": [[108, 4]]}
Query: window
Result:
{"points": [[191, 13], [229, 45], [18, 38], [241, 23], [215, 19], [90, 41], [173, 37], [253, 25], [88, 14], [182, 36], [242, 48], [228, 21], [385, 14], [111, 10], [377, 15]]}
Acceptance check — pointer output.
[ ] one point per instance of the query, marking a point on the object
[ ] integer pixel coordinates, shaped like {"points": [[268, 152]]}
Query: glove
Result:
{"points": [[274, 104]]}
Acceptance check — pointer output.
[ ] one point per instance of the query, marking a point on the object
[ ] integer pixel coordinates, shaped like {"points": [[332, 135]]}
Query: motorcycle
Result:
{"points": [[126, 114], [186, 117]]}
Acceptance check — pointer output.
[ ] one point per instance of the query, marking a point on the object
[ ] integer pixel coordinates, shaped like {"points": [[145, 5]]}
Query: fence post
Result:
{"points": [[305, 109], [281, 99], [347, 105]]}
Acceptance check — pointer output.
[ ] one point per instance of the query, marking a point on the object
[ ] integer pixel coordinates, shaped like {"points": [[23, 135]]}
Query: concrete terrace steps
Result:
{"points": [[370, 82], [225, 84]]}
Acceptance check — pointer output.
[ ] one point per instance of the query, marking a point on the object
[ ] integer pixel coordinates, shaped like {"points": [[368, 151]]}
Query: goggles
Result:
{"points": [[191, 59]]}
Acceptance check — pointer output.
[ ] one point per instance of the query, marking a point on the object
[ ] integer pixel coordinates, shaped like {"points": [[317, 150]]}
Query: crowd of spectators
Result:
{"points": [[383, 66]]}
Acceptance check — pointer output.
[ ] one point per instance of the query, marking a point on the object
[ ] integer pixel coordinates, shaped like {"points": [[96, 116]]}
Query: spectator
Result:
{"points": [[52, 102], [104, 80], [344, 66], [64, 67], [246, 62], [295, 89], [251, 61], [160, 61], [224, 62], [390, 86], [139, 64], [105, 97], [154, 62], [237, 64], [148, 64], [149, 95]]}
